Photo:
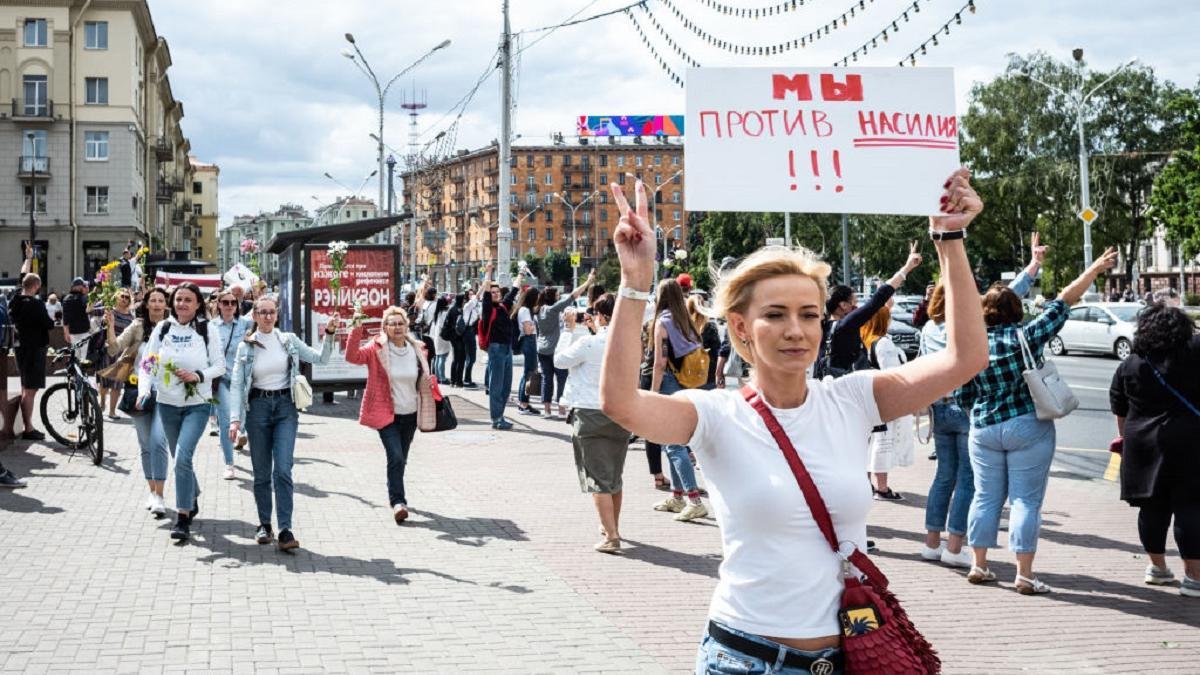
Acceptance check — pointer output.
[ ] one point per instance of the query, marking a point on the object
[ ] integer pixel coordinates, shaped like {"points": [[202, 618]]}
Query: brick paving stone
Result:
{"points": [[495, 572]]}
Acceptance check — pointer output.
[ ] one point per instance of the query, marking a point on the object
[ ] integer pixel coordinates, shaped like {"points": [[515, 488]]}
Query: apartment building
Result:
{"points": [[87, 114], [1159, 264], [261, 228], [200, 230], [559, 197]]}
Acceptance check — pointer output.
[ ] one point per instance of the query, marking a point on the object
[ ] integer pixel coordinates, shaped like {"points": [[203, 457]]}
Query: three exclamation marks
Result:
{"points": [[816, 168]]}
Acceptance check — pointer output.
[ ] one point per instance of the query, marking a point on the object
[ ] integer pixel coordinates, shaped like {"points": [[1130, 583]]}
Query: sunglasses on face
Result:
{"points": [[228, 303]]}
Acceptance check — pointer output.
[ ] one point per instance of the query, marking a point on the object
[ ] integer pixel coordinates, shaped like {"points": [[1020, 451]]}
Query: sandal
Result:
{"points": [[661, 483], [980, 575], [1027, 586]]}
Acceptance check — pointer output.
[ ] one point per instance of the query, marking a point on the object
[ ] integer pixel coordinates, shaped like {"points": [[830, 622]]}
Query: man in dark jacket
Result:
{"points": [[33, 324], [497, 326], [75, 310]]}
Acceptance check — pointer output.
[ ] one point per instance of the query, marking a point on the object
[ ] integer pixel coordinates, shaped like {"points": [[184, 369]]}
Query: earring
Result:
{"points": [[745, 342]]}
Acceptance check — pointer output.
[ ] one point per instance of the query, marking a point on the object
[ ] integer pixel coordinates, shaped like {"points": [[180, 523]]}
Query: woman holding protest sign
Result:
{"points": [[773, 300]]}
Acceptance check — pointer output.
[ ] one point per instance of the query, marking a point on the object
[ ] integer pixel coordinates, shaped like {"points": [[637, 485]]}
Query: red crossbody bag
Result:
{"points": [[877, 635]]}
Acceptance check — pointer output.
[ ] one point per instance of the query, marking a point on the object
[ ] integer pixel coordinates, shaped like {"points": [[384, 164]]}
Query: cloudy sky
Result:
{"points": [[270, 98]]}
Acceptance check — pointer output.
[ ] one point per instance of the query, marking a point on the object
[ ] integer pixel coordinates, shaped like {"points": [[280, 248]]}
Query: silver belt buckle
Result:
{"points": [[821, 666]]}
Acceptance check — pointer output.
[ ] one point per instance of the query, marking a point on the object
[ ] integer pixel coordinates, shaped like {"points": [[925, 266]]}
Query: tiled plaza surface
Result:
{"points": [[495, 570]]}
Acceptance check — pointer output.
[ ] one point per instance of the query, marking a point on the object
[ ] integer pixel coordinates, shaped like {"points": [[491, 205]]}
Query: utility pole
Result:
{"points": [[787, 229], [504, 227], [845, 250]]}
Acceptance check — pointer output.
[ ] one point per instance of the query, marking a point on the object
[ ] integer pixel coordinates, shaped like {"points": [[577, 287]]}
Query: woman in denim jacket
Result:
{"points": [[231, 329], [266, 367]]}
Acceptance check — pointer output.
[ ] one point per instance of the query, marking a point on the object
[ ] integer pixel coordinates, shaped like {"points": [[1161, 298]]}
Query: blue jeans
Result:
{"points": [[153, 444], [499, 379], [529, 355], [183, 426], [683, 474], [954, 484], [397, 438], [1011, 459], [549, 375], [714, 657], [221, 410], [469, 350], [439, 367], [271, 427]]}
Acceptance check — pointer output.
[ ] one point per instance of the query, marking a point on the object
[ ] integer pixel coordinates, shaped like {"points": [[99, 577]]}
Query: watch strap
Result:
{"points": [[938, 235]]}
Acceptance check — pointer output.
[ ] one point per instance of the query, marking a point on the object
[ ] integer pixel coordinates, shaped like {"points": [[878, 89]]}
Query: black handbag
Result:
{"points": [[446, 419], [128, 402]]}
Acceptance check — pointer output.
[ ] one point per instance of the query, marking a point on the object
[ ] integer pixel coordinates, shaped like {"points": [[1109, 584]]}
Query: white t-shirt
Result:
{"points": [[524, 316], [779, 576], [402, 376], [270, 363]]}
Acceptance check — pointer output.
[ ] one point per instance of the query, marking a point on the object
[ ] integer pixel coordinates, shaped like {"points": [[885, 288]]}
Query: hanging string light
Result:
{"points": [[932, 41], [662, 32], [887, 31], [753, 13], [842, 20], [662, 63]]}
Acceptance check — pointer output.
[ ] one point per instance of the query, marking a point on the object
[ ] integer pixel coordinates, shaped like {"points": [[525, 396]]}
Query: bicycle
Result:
{"points": [[75, 407]]}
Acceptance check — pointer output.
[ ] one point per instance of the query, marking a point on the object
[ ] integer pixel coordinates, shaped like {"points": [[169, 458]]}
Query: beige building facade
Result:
{"points": [[201, 229], [86, 110]]}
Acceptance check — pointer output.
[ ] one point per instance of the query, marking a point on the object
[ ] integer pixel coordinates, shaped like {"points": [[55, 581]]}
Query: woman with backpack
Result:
{"points": [[676, 341], [151, 440], [522, 313], [441, 345], [549, 318], [710, 337], [260, 396], [182, 360], [453, 329], [891, 443]]}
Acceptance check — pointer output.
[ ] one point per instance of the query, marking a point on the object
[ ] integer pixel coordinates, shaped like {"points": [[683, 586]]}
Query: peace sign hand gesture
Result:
{"points": [[634, 239]]}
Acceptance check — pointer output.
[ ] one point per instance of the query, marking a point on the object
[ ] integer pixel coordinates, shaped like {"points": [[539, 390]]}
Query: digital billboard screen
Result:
{"points": [[630, 125]]}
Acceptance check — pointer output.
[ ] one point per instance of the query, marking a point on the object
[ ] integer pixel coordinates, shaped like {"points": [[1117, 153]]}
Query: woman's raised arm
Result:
{"points": [[662, 419]]}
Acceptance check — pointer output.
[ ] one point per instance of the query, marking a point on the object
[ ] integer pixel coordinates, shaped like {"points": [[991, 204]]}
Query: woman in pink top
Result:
{"points": [[398, 382]]}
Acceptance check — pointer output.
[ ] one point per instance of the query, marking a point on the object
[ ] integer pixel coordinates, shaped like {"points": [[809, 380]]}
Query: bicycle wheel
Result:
{"points": [[93, 425], [61, 416]]}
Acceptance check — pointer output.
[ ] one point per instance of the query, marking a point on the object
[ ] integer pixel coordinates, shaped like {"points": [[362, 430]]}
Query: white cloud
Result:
{"points": [[270, 99]]}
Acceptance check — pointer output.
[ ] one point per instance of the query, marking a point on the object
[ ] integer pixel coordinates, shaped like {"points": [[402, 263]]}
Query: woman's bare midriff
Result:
{"points": [[809, 644]]}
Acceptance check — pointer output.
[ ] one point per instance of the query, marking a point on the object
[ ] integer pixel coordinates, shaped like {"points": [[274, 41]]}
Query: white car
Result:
{"points": [[1103, 327]]}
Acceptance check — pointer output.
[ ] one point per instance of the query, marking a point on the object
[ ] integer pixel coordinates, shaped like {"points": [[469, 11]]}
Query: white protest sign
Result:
{"points": [[820, 140]]}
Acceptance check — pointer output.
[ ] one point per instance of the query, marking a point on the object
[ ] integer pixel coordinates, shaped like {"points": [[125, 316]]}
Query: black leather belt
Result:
{"points": [[269, 393], [819, 665]]}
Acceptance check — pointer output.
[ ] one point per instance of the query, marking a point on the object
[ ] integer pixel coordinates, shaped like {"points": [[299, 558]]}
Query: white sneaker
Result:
{"points": [[963, 558], [160, 507], [150, 498], [229, 472], [933, 554], [1157, 576], [672, 504], [691, 512]]}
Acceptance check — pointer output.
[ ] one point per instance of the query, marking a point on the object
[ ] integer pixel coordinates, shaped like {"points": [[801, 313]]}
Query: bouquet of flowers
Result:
{"points": [[105, 291], [251, 248], [359, 315], [337, 260], [156, 366]]}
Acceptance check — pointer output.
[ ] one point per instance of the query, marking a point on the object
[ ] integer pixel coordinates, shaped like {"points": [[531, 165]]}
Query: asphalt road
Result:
{"points": [[1084, 435]]}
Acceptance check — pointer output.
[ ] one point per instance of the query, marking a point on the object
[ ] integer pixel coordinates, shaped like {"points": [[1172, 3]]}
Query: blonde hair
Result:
{"points": [[875, 327], [696, 312], [394, 311], [735, 288]]}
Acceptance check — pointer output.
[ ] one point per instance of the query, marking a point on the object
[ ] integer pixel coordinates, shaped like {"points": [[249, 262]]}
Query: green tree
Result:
{"points": [[557, 267], [1176, 194]]}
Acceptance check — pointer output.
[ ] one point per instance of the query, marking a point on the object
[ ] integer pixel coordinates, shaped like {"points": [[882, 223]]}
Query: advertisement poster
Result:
{"points": [[368, 277], [820, 140]]}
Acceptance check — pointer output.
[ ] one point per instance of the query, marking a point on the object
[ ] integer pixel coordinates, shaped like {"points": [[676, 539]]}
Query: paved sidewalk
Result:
{"points": [[495, 570]]}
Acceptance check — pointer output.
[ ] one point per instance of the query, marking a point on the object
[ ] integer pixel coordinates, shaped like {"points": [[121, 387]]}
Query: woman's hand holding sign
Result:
{"points": [[634, 239], [960, 203]]}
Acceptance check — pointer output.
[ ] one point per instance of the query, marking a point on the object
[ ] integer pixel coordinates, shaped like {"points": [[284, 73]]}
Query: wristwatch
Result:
{"points": [[938, 235]]}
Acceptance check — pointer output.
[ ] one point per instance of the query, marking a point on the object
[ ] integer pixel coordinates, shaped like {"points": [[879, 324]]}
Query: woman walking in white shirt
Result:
{"points": [[600, 443], [182, 360], [891, 443], [778, 597]]}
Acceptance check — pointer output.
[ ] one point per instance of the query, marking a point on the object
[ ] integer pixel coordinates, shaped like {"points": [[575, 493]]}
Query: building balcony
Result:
{"points": [[163, 193], [26, 110], [27, 166], [163, 152], [492, 171], [458, 178], [178, 217]]}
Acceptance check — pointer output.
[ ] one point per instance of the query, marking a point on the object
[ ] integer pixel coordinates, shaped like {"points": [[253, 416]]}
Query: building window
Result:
{"points": [[36, 91], [35, 32], [549, 234], [549, 215], [675, 179], [548, 161], [33, 144], [620, 161], [197, 187], [512, 198], [531, 199], [529, 161], [95, 35], [95, 146], [675, 197], [620, 179], [532, 234], [637, 160], [97, 200], [675, 160], [41, 199], [531, 181], [675, 217], [587, 217], [549, 179], [603, 160], [196, 209], [547, 199], [604, 215], [604, 196], [603, 180], [604, 234], [512, 179], [96, 90], [677, 233], [658, 160], [658, 214], [657, 179], [566, 160]]}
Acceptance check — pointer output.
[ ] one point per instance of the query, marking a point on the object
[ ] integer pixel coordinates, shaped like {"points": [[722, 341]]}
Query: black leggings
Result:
{"points": [[653, 450], [1155, 517], [456, 368]]}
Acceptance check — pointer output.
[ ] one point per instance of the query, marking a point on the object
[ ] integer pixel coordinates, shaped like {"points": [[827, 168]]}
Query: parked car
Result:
{"points": [[1101, 327], [904, 306], [907, 338]]}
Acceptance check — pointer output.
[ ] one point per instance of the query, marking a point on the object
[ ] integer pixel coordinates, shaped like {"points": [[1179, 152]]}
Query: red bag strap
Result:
{"points": [[812, 495]]}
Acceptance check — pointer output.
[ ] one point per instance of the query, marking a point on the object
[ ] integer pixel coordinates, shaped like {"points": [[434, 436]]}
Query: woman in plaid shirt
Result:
{"points": [[1010, 448]]}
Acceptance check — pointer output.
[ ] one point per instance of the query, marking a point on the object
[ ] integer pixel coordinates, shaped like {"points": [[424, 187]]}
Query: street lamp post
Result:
{"points": [[574, 239], [654, 218], [33, 204], [381, 91], [1079, 98]]}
